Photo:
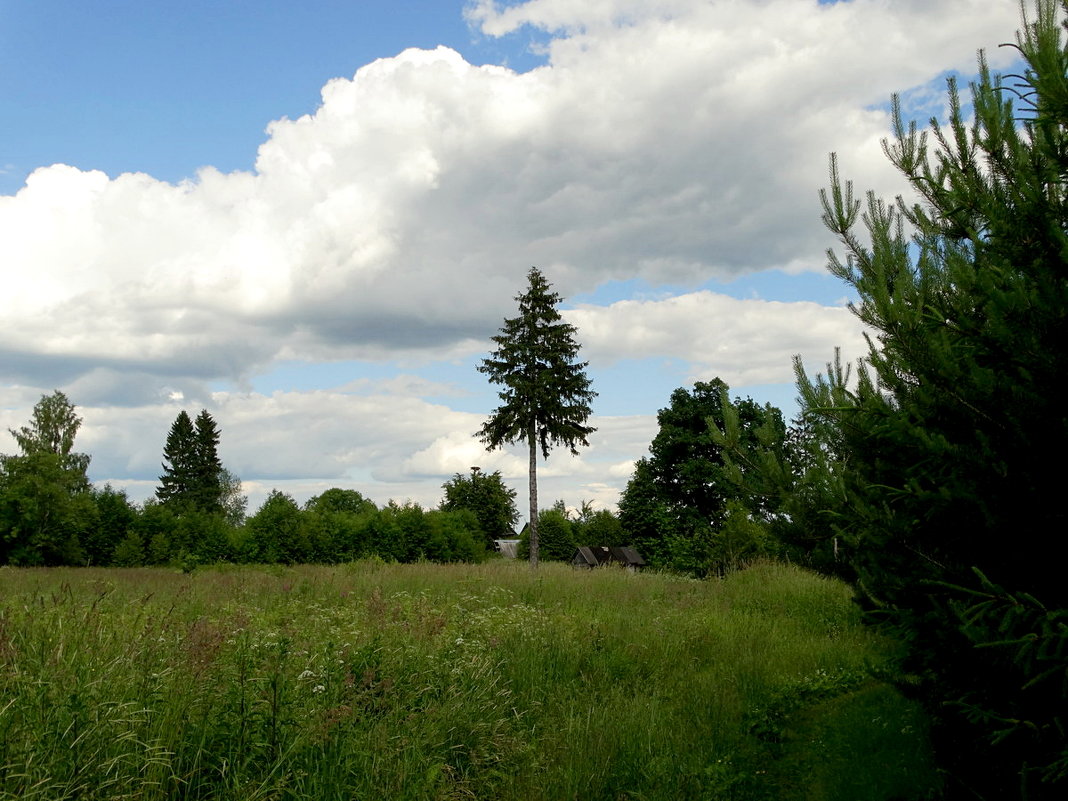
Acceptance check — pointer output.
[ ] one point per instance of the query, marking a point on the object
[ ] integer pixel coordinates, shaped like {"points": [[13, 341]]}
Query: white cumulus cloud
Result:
{"points": [[676, 142]]}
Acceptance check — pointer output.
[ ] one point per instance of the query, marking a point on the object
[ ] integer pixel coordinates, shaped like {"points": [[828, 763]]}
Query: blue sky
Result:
{"points": [[166, 88], [310, 218]]}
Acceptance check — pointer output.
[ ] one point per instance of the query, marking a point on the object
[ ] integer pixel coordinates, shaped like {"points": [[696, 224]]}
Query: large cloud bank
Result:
{"points": [[675, 142]]}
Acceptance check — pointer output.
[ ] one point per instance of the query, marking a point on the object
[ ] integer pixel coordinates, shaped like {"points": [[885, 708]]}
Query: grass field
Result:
{"points": [[445, 682]]}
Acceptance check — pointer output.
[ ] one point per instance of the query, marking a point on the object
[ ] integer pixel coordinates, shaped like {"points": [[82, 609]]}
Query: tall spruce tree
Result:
{"points": [[545, 392], [176, 483], [948, 511], [207, 469], [192, 477]]}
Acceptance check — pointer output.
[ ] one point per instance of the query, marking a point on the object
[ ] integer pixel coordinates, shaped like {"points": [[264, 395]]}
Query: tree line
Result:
{"points": [[50, 514]]}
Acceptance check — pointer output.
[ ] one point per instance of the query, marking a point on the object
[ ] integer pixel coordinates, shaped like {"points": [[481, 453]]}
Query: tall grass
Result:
{"points": [[440, 682]]}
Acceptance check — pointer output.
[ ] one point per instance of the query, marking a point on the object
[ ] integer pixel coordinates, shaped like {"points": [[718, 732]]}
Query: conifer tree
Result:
{"points": [[193, 475], [176, 483], [949, 513], [207, 469], [545, 392]]}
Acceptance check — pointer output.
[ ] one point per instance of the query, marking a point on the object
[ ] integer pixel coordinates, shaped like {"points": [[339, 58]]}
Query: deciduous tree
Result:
{"points": [[485, 495], [45, 507], [545, 391], [52, 430], [679, 494]]}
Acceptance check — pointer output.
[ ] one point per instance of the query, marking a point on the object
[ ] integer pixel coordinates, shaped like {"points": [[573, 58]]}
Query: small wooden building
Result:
{"points": [[602, 555], [506, 548]]}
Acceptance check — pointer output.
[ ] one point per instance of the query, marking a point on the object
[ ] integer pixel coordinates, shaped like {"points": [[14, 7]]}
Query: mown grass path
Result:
{"points": [[444, 682]]}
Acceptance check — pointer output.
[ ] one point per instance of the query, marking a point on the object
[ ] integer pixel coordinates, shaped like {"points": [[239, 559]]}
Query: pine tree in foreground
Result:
{"points": [[545, 392], [949, 513]]}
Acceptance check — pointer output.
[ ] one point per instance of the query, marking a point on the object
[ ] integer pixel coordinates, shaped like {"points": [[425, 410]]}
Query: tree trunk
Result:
{"points": [[533, 474]]}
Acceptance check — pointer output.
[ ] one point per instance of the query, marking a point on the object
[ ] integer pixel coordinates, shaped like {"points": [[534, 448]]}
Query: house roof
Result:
{"points": [[597, 555]]}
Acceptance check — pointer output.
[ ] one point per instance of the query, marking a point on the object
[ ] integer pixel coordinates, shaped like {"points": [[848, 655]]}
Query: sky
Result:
{"points": [[310, 218]]}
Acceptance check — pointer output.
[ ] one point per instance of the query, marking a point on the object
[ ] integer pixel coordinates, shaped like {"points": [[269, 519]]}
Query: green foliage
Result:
{"points": [[52, 429], [374, 680], [740, 541], [175, 485], [800, 480], [107, 524], [202, 538], [155, 526], [341, 526], [487, 497], [193, 477], [599, 527], [939, 442], [45, 508], [557, 535], [348, 501], [233, 501], [644, 515], [338, 525], [130, 552], [274, 534], [460, 531], [434, 535], [678, 497], [545, 392], [207, 471]]}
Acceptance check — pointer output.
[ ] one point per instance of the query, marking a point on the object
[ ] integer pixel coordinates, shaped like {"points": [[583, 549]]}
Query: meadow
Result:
{"points": [[384, 681]]}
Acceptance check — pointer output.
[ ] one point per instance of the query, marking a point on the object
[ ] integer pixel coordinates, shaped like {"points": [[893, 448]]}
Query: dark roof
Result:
{"points": [[597, 555], [584, 556]]}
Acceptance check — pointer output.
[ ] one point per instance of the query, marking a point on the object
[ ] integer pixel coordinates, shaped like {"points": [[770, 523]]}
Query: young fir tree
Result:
{"points": [[948, 511], [545, 392]]}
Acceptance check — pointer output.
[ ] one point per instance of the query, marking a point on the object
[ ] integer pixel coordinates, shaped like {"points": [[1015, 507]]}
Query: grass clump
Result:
{"points": [[434, 682]]}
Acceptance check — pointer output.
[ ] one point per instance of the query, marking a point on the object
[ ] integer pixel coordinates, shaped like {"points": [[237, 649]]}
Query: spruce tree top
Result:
{"points": [[545, 392], [177, 478]]}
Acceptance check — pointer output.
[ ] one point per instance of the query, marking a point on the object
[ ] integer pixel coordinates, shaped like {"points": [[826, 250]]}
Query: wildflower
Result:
{"points": [[319, 688], [307, 674]]}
